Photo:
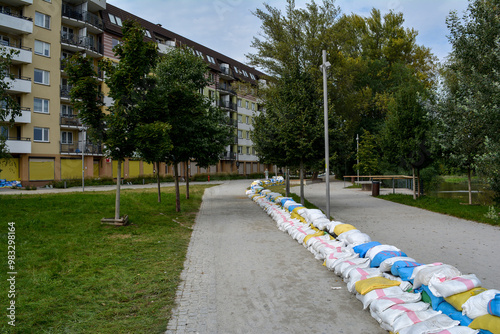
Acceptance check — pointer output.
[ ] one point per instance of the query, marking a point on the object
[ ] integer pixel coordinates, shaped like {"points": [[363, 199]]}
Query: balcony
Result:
{"points": [[167, 47], [13, 22], [65, 89], [226, 88], [92, 5], [232, 122], [68, 121], [228, 105], [18, 145], [225, 72], [77, 18], [228, 156], [76, 148], [24, 118], [18, 3], [25, 56], [19, 84], [77, 43]]}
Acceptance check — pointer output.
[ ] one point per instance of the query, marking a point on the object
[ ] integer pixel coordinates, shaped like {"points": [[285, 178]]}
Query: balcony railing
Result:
{"points": [[18, 144], [82, 41], [227, 88], [65, 89], [14, 13], [16, 45], [228, 105], [90, 18], [228, 156], [79, 146], [70, 120], [226, 71]]}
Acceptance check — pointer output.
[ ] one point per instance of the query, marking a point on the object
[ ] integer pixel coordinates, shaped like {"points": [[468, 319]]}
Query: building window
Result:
{"points": [[4, 40], [147, 33], [236, 70], [244, 73], [248, 134], [114, 42], [48, 1], [240, 134], [240, 117], [252, 76], [66, 137], [42, 77], [42, 48], [253, 151], [248, 150], [211, 59], [240, 149], [42, 20], [41, 105], [66, 110], [4, 131], [246, 104], [253, 107], [41, 134], [239, 102], [115, 19], [247, 119]]}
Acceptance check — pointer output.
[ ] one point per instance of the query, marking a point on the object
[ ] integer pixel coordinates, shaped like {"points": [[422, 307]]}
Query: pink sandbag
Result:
{"points": [[441, 286], [383, 303], [378, 293]]}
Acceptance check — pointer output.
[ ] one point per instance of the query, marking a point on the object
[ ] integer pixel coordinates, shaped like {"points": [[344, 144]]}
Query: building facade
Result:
{"points": [[48, 141]]}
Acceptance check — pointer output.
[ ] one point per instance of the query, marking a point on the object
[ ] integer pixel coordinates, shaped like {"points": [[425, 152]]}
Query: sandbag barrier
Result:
{"points": [[403, 295], [9, 184]]}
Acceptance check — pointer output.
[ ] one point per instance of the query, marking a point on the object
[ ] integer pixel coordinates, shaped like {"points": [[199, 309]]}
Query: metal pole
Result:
{"points": [[357, 153], [83, 159], [327, 148]]}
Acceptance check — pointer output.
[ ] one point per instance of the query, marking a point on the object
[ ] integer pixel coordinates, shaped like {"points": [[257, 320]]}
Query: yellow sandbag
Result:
{"points": [[459, 299], [295, 215], [489, 322], [309, 236], [341, 228], [367, 285]]}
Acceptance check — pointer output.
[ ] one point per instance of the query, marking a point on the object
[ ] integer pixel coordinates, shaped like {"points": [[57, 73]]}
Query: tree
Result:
{"points": [[199, 131], [129, 83], [368, 155], [470, 106], [9, 108]]}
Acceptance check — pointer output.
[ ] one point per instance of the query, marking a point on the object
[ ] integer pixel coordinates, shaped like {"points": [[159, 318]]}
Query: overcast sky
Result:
{"points": [[228, 26]]}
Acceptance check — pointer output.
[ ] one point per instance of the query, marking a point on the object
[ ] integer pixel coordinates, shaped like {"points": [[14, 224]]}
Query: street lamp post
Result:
{"points": [[357, 153], [324, 68], [83, 129]]}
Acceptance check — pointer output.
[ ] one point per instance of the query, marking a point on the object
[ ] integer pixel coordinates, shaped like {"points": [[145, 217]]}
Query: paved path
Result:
{"points": [[243, 275], [426, 236]]}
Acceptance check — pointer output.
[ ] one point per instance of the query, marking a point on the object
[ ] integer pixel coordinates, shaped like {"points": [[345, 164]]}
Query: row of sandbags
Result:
{"points": [[403, 295], [9, 184]]}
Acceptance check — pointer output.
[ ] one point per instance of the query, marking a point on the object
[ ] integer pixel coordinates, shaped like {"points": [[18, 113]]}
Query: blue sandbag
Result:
{"points": [[293, 206], [494, 305], [404, 269], [453, 313], [284, 199], [484, 331], [384, 255], [435, 301], [363, 248]]}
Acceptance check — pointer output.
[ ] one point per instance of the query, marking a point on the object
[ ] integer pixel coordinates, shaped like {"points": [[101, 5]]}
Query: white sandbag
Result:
{"points": [[333, 258], [331, 226], [349, 264], [437, 323], [377, 293], [440, 286], [358, 274], [422, 274], [358, 238], [375, 316], [458, 330], [390, 314], [477, 306], [343, 236], [321, 223], [383, 303], [386, 265], [377, 249], [404, 285], [410, 318]]}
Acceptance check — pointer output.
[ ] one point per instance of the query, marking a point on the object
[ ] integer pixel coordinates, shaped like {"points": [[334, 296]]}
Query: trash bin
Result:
{"points": [[375, 188]]}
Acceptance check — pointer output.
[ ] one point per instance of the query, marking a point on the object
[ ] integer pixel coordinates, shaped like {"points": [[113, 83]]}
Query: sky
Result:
{"points": [[228, 26]]}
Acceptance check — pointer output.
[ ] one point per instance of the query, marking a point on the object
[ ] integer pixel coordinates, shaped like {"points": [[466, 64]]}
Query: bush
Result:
{"points": [[430, 178]]}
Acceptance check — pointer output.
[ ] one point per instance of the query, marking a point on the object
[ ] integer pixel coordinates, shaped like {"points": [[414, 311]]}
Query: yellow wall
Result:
{"points": [[115, 168], [147, 169], [41, 169], [133, 168], [10, 169], [71, 168]]}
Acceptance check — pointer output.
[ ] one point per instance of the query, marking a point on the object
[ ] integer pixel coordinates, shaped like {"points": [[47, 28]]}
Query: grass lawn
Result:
{"points": [[75, 275], [447, 206]]}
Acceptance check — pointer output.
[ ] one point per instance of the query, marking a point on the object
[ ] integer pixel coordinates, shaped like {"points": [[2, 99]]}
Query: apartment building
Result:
{"points": [[48, 141]]}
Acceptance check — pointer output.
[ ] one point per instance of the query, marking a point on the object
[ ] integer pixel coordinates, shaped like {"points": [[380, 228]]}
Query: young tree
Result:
{"points": [[198, 129], [129, 83]]}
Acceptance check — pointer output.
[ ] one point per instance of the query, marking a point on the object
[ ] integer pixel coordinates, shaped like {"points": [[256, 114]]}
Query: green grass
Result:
{"points": [[447, 206], [459, 179], [76, 275]]}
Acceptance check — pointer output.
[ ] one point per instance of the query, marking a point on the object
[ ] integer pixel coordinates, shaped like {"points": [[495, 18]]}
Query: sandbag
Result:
{"points": [[383, 303], [377, 249], [423, 274], [386, 265], [368, 298], [453, 313], [383, 255], [339, 229], [434, 324], [363, 248], [494, 306], [390, 314], [404, 269], [369, 284], [477, 306], [459, 299], [441, 286], [359, 274], [343, 268], [487, 322], [429, 297], [410, 318]]}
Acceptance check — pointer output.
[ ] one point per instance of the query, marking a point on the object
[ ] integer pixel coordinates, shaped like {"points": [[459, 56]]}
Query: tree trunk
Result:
{"points": [[118, 181], [187, 180], [414, 185], [177, 191], [287, 182], [301, 182], [158, 180], [469, 184]]}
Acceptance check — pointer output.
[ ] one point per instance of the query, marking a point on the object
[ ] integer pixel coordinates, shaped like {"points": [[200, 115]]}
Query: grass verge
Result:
{"points": [[75, 275], [447, 206]]}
